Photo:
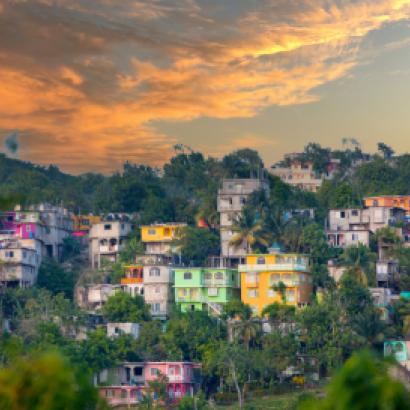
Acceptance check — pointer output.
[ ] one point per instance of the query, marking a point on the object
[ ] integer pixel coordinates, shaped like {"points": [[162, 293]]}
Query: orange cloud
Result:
{"points": [[85, 82]]}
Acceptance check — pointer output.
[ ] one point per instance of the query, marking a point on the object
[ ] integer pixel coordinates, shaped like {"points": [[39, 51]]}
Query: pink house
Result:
{"points": [[24, 225], [128, 383], [182, 376]]}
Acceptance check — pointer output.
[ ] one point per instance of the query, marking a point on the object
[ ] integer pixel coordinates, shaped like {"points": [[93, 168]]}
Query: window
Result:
{"points": [[290, 295], [123, 394], [9, 254], [208, 276], [156, 307], [152, 231], [154, 272], [274, 278], [107, 227], [252, 293], [85, 222], [375, 202], [219, 275], [242, 200], [251, 277], [188, 275], [355, 237], [342, 214], [260, 260], [108, 393], [157, 289], [28, 228], [122, 226], [212, 291], [271, 293], [355, 212]]}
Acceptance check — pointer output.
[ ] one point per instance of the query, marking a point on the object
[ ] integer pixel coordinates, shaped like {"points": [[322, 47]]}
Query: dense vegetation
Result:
{"points": [[236, 355]]}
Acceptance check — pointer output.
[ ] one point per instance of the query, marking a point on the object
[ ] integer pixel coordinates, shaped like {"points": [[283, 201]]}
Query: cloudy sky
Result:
{"points": [[89, 84]]}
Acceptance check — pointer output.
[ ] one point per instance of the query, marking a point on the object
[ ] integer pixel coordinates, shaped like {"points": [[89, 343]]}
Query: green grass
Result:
{"points": [[287, 401]]}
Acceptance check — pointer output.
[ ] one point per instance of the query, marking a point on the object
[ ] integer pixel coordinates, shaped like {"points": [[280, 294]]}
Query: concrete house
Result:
{"points": [[107, 239], [232, 197]]}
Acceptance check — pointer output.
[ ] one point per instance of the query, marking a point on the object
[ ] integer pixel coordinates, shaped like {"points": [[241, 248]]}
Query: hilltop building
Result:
{"points": [[262, 272], [205, 288], [389, 201], [158, 274], [159, 238], [133, 280], [107, 239], [351, 226], [232, 197], [26, 237]]}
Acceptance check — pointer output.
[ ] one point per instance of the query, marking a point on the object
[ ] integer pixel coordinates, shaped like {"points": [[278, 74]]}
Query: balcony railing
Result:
{"points": [[302, 267], [217, 282]]}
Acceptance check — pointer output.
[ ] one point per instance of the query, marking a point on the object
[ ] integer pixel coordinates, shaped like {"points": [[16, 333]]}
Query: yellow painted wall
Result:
{"points": [[159, 233], [389, 201], [78, 224], [302, 291]]}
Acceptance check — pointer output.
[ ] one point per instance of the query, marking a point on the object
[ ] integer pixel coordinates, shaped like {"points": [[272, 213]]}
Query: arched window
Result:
{"points": [[103, 242], [113, 242]]}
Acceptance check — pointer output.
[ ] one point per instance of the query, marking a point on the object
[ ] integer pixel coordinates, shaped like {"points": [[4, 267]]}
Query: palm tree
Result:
{"points": [[360, 262], [358, 274], [248, 229], [246, 329]]}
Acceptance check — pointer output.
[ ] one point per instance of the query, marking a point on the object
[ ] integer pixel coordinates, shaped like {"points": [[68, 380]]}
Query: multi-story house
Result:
{"points": [[158, 273], [351, 226], [205, 288], [58, 226], [389, 201], [133, 280], [106, 240], [129, 383], [159, 238], [23, 235], [232, 197], [19, 265], [299, 174], [262, 273]]}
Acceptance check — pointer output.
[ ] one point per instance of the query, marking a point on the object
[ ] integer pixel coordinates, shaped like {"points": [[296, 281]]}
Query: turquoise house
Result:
{"points": [[205, 288]]}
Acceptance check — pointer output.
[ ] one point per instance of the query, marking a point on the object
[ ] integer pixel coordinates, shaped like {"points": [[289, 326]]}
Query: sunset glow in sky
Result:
{"points": [[90, 84]]}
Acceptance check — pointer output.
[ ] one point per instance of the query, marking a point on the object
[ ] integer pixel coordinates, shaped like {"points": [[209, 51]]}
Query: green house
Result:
{"points": [[205, 288]]}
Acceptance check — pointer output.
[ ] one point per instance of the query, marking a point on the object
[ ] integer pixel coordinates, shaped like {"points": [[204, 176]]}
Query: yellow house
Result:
{"points": [[261, 273], [158, 237], [84, 223]]}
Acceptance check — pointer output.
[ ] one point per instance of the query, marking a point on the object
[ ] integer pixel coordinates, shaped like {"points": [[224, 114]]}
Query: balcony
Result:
{"points": [[109, 248], [131, 281], [294, 267], [214, 283], [190, 298]]}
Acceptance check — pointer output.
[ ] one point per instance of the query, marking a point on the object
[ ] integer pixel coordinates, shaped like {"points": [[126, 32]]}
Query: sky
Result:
{"points": [[90, 84]]}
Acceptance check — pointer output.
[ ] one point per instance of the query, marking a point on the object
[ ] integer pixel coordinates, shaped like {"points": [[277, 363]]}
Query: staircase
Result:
{"points": [[215, 308]]}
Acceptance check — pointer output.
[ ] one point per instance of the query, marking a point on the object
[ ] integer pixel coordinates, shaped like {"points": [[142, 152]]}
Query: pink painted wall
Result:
{"points": [[26, 230], [183, 372]]}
